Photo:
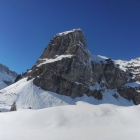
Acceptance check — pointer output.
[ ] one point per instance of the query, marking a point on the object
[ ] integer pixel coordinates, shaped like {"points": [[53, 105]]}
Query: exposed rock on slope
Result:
{"points": [[27, 95], [7, 76], [131, 90], [66, 67]]}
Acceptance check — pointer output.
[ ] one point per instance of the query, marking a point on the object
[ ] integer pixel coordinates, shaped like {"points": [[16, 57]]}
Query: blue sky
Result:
{"points": [[111, 27]]}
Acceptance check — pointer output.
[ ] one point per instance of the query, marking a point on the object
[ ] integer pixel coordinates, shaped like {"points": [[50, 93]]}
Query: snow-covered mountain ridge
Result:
{"points": [[7, 76], [133, 66]]}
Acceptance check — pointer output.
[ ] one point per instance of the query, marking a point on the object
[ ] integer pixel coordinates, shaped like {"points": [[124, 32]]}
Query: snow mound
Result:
{"points": [[82, 121]]}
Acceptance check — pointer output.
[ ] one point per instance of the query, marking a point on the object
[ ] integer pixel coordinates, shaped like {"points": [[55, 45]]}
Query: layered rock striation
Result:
{"points": [[67, 68]]}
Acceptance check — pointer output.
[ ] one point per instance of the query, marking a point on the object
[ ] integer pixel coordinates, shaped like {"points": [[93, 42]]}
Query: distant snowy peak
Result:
{"points": [[7, 76], [4, 68], [133, 65]]}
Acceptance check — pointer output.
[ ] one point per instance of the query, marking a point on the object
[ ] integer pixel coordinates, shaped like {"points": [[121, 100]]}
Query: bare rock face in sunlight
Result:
{"points": [[66, 67], [114, 76], [65, 43]]}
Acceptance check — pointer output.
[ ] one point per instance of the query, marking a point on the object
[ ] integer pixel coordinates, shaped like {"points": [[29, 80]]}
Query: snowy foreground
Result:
{"points": [[59, 117], [82, 121]]}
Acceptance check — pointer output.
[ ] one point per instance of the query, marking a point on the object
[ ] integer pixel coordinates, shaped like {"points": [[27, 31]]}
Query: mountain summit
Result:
{"points": [[66, 67], [65, 43]]}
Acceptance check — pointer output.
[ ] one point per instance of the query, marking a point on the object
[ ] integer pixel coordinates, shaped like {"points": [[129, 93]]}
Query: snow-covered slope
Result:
{"points": [[26, 94], [7, 77], [82, 121]]}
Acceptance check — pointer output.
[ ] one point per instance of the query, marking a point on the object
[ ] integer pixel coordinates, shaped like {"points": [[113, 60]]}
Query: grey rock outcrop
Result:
{"points": [[114, 76], [67, 68], [65, 43], [13, 107], [131, 89]]}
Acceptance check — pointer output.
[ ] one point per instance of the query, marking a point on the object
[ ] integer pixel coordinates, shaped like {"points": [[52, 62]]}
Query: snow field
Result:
{"points": [[82, 121]]}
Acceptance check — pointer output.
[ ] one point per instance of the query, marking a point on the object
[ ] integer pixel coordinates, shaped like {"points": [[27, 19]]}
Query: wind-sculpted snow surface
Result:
{"points": [[82, 121], [26, 95]]}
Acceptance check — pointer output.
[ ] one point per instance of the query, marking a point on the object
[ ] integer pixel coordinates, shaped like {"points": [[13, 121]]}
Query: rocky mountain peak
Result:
{"points": [[65, 43], [66, 67]]}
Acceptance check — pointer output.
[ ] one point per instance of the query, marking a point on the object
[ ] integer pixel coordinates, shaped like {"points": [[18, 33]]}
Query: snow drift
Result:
{"points": [[82, 121]]}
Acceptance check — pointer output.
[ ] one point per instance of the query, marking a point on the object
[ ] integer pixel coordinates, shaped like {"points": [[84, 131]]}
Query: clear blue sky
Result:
{"points": [[111, 27]]}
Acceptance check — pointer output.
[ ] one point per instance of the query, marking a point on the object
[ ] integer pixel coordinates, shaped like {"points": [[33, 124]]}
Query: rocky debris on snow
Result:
{"points": [[115, 96], [13, 107]]}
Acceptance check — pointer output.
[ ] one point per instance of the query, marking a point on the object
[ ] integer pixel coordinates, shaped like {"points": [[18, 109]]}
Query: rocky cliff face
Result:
{"points": [[66, 67], [131, 90], [7, 76]]}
